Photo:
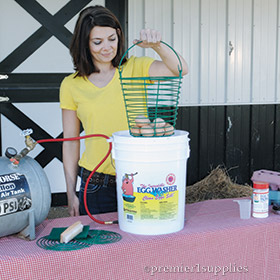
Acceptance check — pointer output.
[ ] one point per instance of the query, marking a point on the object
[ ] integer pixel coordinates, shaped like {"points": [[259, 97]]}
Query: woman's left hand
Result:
{"points": [[150, 38]]}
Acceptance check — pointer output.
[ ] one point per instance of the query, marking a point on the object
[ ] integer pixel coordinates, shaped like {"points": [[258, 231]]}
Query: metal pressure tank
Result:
{"points": [[25, 196]]}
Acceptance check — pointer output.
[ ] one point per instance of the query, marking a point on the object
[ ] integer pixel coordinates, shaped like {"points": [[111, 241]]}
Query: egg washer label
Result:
{"points": [[152, 202], [14, 194]]}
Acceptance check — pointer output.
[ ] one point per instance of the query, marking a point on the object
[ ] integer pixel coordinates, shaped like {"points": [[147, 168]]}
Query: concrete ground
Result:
{"points": [[58, 212]]}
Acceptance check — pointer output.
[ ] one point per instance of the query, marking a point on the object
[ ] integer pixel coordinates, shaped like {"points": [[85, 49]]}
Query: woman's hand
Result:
{"points": [[150, 38], [73, 205], [169, 64]]}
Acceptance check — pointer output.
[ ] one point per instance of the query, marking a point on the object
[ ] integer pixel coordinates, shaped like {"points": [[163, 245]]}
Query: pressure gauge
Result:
{"points": [[10, 152]]}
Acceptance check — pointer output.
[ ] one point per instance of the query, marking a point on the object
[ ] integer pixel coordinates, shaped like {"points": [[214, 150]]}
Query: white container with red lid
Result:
{"points": [[260, 199]]}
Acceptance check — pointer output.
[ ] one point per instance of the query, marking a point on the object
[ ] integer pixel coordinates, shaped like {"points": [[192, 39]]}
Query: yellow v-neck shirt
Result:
{"points": [[100, 110]]}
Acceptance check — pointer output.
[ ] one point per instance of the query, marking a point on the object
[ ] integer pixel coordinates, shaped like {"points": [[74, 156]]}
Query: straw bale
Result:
{"points": [[217, 185]]}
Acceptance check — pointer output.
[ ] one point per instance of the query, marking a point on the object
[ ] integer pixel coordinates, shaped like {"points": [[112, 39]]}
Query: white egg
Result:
{"points": [[169, 129], [147, 130], [159, 122], [135, 131], [142, 120]]}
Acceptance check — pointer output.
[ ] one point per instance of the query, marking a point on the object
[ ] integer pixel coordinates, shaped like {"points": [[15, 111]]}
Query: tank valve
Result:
{"points": [[30, 145]]}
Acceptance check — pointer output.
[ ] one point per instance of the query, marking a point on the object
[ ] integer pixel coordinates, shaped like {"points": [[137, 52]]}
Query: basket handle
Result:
{"points": [[179, 66]]}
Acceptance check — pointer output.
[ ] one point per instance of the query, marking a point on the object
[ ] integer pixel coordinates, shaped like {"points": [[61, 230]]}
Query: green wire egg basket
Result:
{"points": [[151, 103]]}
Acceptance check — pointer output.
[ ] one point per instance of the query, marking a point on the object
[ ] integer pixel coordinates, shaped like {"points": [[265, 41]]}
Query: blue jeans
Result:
{"points": [[100, 198]]}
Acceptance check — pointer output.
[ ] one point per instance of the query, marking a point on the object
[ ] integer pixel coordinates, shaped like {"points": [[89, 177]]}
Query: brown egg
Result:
{"points": [[147, 130], [169, 129], [159, 122], [135, 131], [160, 131], [142, 120]]}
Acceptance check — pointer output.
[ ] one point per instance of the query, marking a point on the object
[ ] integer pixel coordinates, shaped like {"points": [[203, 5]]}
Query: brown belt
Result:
{"points": [[98, 178]]}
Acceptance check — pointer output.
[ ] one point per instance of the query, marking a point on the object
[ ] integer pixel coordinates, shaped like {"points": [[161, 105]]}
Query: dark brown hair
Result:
{"points": [[79, 48]]}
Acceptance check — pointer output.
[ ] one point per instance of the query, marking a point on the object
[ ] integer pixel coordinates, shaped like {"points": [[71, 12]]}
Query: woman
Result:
{"points": [[92, 96]]}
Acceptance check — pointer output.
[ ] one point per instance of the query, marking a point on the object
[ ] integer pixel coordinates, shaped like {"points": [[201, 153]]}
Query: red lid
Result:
{"points": [[261, 185]]}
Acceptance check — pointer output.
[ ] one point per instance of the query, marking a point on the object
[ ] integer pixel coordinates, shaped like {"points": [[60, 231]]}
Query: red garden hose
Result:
{"points": [[93, 171]]}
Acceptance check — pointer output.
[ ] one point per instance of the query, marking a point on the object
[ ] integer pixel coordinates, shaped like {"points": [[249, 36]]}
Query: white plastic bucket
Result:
{"points": [[151, 182]]}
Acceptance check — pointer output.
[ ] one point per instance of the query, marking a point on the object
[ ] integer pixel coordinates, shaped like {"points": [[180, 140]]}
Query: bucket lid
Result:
{"points": [[260, 185], [124, 136]]}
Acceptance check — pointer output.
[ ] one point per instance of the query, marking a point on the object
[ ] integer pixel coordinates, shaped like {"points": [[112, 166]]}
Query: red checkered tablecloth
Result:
{"points": [[214, 244]]}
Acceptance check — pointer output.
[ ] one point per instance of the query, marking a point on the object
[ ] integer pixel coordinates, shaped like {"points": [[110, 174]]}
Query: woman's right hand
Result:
{"points": [[73, 205]]}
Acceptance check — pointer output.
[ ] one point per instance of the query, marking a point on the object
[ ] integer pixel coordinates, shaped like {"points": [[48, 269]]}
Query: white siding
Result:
{"points": [[264, 51], [212, 51], [135, 24], [149, 14], [204, 32], [239, 58], [187, 18], [157, 18]]}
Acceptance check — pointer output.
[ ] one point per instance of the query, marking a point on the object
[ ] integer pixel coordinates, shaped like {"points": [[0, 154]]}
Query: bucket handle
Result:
{"points": [[139, 42]]}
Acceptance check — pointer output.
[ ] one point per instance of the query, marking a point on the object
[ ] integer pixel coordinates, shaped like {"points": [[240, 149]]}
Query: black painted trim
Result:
{"points": [[28, 88], [277, 138], [51, 23]]}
